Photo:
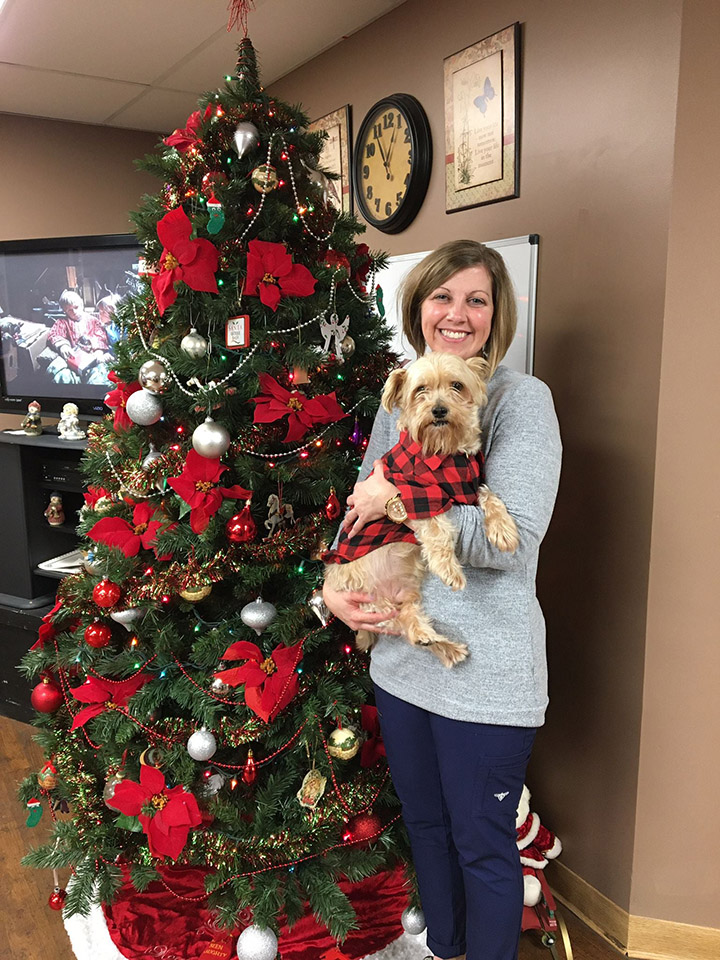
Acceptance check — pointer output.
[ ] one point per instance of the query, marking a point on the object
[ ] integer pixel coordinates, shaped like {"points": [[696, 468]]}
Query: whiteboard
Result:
{"points": [[521, 258]]}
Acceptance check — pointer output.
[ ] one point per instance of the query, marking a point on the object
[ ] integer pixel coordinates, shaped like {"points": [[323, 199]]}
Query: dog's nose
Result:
{"points": [[439, 412]]}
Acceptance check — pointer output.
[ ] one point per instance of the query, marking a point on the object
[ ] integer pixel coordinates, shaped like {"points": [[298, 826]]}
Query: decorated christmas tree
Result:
{"points": [[198, 705]]}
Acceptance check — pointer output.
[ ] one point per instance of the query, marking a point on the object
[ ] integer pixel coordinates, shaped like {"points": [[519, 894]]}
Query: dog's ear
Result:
{"points": [[479, 366], [393, 388]]}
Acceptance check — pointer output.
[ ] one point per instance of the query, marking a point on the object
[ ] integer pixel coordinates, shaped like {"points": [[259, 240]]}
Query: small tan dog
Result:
{"points": [[440, 398]]}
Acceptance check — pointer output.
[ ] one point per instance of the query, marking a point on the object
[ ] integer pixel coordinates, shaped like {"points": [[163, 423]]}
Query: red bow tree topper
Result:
{"points": [[271, 274], [302, 412], [117, 399], [184, 138], [102, 695], [198, 486], [193, 262], [128, 537], [270, 682], [166, 815]]}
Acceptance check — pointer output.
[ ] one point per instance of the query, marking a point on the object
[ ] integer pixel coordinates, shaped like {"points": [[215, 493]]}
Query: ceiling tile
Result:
{"points": [[161, 110], [44, 93]]}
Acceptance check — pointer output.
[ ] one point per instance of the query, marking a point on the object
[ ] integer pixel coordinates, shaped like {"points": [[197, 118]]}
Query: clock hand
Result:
{"points": [[392, 141], [383, 155]]}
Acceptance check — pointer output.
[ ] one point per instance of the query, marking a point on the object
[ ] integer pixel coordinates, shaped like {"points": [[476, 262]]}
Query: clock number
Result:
{"points": [[377, 204], [407, 179], [369, 192], [369, 149], [388, 120], [407, 134], [398, 198], [377, 130], [388, 209], [366, 172]]}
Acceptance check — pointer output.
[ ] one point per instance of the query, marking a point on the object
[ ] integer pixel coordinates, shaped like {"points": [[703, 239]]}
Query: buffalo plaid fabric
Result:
{"points": [[427, 486]]}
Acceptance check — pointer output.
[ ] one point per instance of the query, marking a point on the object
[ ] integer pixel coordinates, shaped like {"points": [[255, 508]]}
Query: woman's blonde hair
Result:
{"points": [[442, 264]]}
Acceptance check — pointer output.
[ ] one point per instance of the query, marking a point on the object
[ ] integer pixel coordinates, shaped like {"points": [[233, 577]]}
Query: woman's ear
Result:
{"points": [[393, 388]]}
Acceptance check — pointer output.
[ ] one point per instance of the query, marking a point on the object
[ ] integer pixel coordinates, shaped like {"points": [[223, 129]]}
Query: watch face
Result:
{"points": [[392, 162], [396, 511]]}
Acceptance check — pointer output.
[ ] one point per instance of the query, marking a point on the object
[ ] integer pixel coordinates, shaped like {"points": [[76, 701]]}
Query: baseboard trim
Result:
{"points": [[640, 938]]}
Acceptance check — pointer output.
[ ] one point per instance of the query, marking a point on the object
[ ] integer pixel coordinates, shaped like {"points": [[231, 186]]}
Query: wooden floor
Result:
{"points": [[34, 932]]}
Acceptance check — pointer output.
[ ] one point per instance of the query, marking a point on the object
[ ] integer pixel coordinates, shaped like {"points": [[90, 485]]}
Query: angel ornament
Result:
{"points": [[333, 329]]}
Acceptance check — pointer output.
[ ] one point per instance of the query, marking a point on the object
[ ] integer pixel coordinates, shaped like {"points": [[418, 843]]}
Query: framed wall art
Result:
{"points": [[482, 98], [335, 155]]}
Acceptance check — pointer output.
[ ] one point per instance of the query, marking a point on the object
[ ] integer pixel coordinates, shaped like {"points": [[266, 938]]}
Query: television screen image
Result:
{"points": [[58, 328]]}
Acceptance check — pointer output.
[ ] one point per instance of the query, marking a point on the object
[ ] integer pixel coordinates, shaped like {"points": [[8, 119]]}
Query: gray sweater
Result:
{"points": [[504, 679]]}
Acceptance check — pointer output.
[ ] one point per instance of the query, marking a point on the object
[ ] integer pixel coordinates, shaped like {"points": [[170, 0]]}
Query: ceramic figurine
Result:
{"points": [[54, 512], [32, 424], [69, 426]]}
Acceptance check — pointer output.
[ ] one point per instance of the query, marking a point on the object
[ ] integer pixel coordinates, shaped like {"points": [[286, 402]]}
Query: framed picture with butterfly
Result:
{"points": [[482, 98]]}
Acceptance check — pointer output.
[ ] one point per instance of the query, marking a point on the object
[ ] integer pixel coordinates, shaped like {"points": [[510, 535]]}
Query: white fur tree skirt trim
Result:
{"points": [[90, 940]]}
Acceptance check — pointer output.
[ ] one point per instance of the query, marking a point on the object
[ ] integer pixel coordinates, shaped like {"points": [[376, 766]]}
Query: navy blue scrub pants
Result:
{"points": [[460, 784]]}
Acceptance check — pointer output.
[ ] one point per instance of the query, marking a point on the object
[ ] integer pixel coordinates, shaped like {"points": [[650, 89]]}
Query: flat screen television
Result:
{"points": [[57, 326]]}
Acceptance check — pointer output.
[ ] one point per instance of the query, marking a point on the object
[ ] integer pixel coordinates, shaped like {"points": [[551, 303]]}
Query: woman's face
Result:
{"points": [[457, 316]]}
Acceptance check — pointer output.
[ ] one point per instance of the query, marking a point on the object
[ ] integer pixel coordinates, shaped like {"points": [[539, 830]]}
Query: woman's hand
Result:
{"points": [[367, 501], [345, 604]]}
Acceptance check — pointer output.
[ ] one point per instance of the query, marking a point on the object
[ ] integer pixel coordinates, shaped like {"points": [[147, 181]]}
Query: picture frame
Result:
{"points": [[482, 114], [335, 155]]}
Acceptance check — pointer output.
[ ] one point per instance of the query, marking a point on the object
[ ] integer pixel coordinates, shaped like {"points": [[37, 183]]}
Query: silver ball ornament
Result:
{"points": [[257, 943], [143, 408], [210, 439], [213, 784], [109, 789], [202, 744], [347, 345], [219, 687], [259, 615], [245, 137], [413, 920], [343, 743], [193, 344], [153, 376]]}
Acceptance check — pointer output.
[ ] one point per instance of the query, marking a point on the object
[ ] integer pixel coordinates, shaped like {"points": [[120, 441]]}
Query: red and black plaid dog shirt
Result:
{"points": [[427, 486]]}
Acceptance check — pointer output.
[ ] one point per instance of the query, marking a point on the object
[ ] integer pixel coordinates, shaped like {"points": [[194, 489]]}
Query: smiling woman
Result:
{"points": [[457, 316]]}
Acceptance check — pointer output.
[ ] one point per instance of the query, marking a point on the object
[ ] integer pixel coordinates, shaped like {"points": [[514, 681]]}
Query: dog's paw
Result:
{"points": [[364, 640], [456, 581], [503, 535], [449, 653]]}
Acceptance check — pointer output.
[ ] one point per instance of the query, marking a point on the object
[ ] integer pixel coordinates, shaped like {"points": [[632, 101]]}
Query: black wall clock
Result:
{"points": [[392, 162]]}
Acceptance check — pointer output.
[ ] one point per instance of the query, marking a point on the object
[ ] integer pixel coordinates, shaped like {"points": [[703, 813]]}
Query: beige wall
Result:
{"points": [[677, 862], [68, 180], [599, 96]]}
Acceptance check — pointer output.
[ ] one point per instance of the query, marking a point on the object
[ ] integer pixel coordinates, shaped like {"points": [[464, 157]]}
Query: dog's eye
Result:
{"points": [[456, 385], [420, 389]]}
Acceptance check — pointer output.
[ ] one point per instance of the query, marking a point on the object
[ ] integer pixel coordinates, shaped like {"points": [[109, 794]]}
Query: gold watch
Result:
{"points": [[395, 510]]}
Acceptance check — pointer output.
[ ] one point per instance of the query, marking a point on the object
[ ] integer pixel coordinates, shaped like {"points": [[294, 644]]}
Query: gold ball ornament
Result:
{"points": [[347, 346], [152, 757], [264, 178], [343, 743], [195, 594]]}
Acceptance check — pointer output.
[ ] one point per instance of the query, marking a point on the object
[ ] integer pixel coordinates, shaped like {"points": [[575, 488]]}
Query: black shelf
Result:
{"points": [[60, 486]]}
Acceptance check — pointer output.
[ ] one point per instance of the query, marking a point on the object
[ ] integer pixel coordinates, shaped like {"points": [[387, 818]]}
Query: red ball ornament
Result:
{"points": [[98, 634], [57, 899], [332, 506], [106, 593], [363, 829], [47, 696], [241, 528]]}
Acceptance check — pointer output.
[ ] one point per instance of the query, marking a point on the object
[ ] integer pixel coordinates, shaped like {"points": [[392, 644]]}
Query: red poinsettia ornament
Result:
{"points": [[302, 412], [271, 274], [129, 537], [96, 493], [102, 695], [198, 486], [188, 136], [166, 816], [117, 399], [270, 682], [47, 629], [373, 748], [193, 262], [364, 262]]}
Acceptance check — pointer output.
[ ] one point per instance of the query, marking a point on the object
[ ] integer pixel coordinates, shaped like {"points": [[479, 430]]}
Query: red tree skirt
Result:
{"points": [[157, 922]]}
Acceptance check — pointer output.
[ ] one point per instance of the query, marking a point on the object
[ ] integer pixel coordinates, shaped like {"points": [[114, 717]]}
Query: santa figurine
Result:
{"points": [[69, 426], [54, 512], [536, 846]]}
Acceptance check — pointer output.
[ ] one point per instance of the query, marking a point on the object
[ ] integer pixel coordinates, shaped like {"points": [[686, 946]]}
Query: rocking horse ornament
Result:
{"points": [[280, 516]]}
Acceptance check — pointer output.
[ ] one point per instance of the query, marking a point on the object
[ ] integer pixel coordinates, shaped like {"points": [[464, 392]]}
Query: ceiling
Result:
{"points": [[141, 64]]}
